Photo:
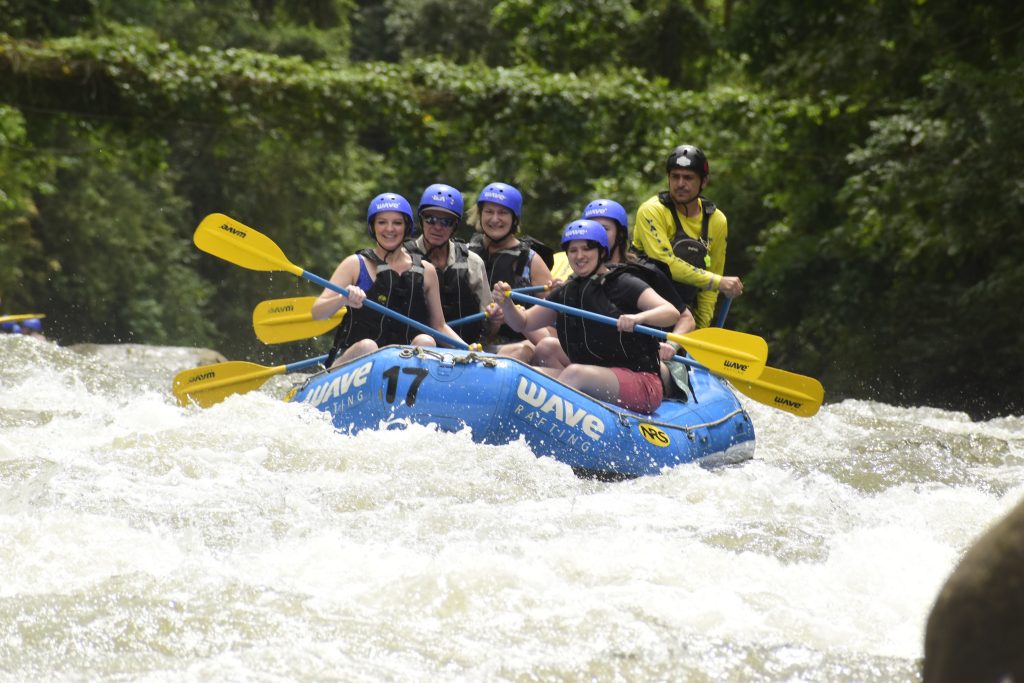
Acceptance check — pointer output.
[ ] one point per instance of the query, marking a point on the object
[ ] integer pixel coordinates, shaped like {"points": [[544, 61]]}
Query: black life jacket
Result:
{"points": [[508, 265], [647, 270], [694, 252], [458, 299], [401, 293], [596, 343]]}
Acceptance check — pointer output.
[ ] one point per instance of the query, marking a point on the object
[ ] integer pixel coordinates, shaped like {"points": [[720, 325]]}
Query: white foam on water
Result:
{"points": [[143, 540]]}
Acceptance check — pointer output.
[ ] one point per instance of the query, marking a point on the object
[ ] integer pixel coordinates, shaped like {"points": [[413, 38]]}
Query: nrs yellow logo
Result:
{"points": [[654, 435]]}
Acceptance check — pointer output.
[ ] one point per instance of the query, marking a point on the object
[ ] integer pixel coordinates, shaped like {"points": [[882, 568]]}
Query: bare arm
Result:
{"points": [[684, 325], [329, 301], [654, 312], [521, 320]]}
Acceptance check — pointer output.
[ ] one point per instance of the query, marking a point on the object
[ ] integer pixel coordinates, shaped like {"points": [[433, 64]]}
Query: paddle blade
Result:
{"points": [[284, 320], [736, 355], [788, 391], [226, 238], [561, 270], [211, 384]]}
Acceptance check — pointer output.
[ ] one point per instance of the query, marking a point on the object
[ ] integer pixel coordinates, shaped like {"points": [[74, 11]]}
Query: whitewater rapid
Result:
{"points": [[249, 541]]}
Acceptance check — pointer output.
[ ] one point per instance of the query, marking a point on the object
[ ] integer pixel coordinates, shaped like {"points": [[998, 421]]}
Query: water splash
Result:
{"points": [[143, 540]]}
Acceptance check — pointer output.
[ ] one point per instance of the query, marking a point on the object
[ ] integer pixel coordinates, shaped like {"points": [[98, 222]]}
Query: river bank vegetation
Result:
{"points": [[867, 155]]}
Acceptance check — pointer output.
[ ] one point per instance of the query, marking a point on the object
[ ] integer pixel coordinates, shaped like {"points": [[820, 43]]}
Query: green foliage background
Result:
{"points": [[867, 155]]}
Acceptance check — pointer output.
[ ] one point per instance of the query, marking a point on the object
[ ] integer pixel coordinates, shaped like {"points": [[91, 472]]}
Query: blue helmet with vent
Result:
{"points": [[502, 194], [389, 201], [441, 196], [588, 230]]}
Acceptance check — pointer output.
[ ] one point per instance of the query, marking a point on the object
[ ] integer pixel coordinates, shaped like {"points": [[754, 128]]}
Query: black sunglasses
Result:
{"points": [[443, 220]]}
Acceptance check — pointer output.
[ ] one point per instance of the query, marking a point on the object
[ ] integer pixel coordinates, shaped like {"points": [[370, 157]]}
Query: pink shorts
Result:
{"points": [[640, 392]]}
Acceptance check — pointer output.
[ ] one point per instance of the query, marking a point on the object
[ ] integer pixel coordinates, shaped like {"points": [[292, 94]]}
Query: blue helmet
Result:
{"points": [[441, 196], [588, 230], [389, 201], [502, 194], [33, 324], [13, 328], [606, 208]]}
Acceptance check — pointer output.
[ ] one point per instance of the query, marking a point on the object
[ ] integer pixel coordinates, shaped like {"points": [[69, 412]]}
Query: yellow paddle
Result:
{"points": [[211, 384], [723, 352], [561, 270], [276, 321], [236, 242], [285, 320], [797, 394], [21, 316]]}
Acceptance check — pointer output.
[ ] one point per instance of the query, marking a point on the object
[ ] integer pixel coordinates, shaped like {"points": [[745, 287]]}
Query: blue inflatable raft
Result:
{"points": [[501, 399]]}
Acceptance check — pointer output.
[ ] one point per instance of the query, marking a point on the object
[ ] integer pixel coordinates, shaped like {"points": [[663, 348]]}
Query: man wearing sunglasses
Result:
{"points": [[461, 273]]}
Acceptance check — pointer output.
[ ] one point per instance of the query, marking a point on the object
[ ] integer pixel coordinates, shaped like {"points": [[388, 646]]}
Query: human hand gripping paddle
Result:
{"points": [[465, 320], [232, 241], [236, 242], [724, 352]]}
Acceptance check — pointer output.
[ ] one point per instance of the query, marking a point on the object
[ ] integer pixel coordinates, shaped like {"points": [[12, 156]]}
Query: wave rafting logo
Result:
{"points": [[339, 387], [563, 412], [282, 309], [233, 230], [733, 364], [783, 401], [205, 376], [441, 198]]}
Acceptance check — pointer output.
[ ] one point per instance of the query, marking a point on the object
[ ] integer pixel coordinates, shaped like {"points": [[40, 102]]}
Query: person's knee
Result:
{"points": [[522, 351], [547, 351], [360, 348], [575, 375], [423, 340]]}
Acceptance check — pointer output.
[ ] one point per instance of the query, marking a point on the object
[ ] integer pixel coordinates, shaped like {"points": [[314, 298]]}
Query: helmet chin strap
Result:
{"points": [[621, 238], [389, 252], [600, 262]]}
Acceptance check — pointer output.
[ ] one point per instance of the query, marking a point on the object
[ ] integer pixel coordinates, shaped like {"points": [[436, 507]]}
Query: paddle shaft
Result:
{"points": [[385, 311], [247, 247], [589, 315], [465, 320], [720, 322], [597, 317], [743, 357], [303, 364]]}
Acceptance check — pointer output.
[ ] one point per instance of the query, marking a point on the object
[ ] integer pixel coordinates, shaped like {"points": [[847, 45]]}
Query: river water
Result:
{"points": [[142, 541]]}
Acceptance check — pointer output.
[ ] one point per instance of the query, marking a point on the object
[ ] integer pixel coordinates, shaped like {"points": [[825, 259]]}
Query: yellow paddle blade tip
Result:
{"points": [[235, 242]]}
